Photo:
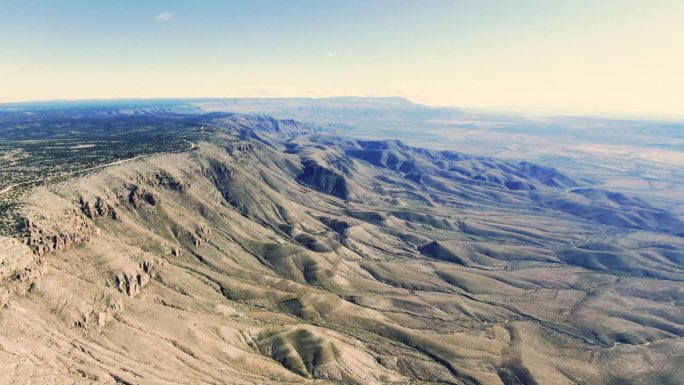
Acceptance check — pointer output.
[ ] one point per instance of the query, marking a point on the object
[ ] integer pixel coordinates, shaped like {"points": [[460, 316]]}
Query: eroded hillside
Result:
{"points": [[269, 253]]}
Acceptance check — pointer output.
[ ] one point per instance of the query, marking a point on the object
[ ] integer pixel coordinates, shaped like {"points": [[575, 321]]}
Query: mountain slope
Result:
{"points": [[270, 253]]}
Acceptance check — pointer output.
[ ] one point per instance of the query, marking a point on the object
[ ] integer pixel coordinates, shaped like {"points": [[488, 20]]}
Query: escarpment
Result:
{"points": [[56, 222], [278, 254]]}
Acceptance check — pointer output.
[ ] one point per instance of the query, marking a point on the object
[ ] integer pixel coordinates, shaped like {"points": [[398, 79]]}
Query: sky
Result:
{"points": [[586, 56]]}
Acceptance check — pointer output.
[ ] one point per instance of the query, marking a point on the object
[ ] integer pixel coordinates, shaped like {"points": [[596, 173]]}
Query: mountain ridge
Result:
{"points": [[276, 253]]}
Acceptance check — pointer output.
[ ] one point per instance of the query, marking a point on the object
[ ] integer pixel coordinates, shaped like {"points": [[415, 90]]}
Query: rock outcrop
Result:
{"points": [[132, 278], [70, 228]]}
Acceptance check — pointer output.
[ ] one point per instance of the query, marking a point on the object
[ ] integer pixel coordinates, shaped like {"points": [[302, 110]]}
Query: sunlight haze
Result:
{"points": [[566, 56]]}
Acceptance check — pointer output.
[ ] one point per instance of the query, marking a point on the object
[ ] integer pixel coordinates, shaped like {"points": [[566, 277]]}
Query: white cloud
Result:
{"points": [[165, 16], [329, 54]]}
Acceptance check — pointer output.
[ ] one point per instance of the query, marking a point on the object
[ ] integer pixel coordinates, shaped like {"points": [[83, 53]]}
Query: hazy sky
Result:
{"points": [[582, 56]]}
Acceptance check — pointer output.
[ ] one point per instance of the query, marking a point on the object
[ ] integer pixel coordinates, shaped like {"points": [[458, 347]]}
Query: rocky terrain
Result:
{"points": [[273, 252]]}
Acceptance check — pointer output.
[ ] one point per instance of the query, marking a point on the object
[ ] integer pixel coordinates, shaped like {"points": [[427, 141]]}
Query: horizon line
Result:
{"points": [[519, 111]]}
